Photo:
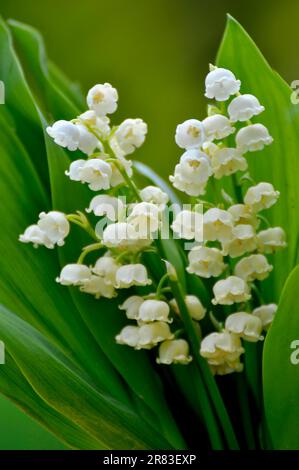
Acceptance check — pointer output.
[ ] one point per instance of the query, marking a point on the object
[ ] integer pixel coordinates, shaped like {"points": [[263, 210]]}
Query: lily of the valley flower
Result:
{"points": [[74, 275], [100, 124], [196, 310], [271, 240], [33, 234], [131, 275], [205, 261], [217, 225], [262, 196], [98, 287], [243, 241], [128, 336], [55, 226], [190, 134], [222, 348], [231, 290], [96, 172], [112, 207], [217, 127], [266, 314], [145, 218], [102, 99], [131, 306], [221, 84], [188, 225], [154, 195], [244, 107], [130, 135], [65, 133], [123, 235], [153, 310], [106, 268], [151, 334], [227, 161], [247, 326], [192, 173], [252, 138], [243, 214], [253, 267], [174, 351]]}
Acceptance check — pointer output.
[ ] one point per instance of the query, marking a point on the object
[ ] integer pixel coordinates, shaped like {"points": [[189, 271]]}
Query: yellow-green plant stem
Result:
{"points": [[89, 249]]}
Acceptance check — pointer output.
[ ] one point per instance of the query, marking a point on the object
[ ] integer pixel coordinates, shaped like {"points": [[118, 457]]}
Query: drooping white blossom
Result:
{"points": [[106, 268], [100, 124], [34, 234], [154, 310], [122, 235], [188, 225], [196, 310], [246, 325], [231, 290], [131, 275], [243, 214], [221, 84], [145, 218], [252, 138], [271, 240], [88, 142], [205, 261], [174, 351], [95, 172], [217, 225], [154, 195], [262, 196], [150, 334], [128, 336], [243, 241], [74, 275], [103, 205], [98, 287], [244, 107], [102, 99], [190, 134], [192, 173], [221, 348], [129, 135], [266, 314], [217, 127], [227, 161], [253, 267], [55, 226], [65, 133], [131, 306]]}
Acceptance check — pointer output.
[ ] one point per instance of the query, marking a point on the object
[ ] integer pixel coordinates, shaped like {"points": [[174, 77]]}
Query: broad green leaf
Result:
{"points": [[278, 163], [64, 387], [281, 369]]}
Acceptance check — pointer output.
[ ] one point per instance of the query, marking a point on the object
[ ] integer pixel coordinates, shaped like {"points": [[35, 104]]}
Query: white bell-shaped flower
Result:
{"points": [[243, 215], [217, 127], [153, 333], [227, 161], [192, 173], [221, 347], [174, 351], [217, 225], [116, 177], [262, 196], [131, 275], [244, 107], [100, 124], [106, 267], [87, 141], [243, 241], [145, 218], [205, 261], [196, 310], [122, 235], [271, 240], [128, 336], [224, 369], [131, 306], [96, 172], [190, 134], [246, 325], [103, 205], [266, 314], [34, 234], [188, 225], [221, 84], [252, 138], [98, 287], [55, 226], [65, 133], [130, 135], [231, 290], [154, 195], [253, 267], [102, 99], [74, 275], [154, 310], [209, 148]]}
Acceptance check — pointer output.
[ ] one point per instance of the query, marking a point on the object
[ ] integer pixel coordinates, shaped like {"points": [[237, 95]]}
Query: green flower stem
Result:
{"points": [[238, 189], [207, 377], [245, 410], [162, 281], [81, 220], [89, 249], [127, 178]]}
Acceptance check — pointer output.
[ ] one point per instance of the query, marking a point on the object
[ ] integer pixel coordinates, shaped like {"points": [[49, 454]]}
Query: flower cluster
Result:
{"points": [[228, 239], [215, 148]]}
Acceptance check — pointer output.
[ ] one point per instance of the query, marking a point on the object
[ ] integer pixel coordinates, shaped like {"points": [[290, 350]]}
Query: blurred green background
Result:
{"points": [[156, 52]]}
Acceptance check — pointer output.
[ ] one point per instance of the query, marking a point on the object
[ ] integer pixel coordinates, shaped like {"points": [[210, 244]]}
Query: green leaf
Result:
{"points": [[280, 372], [64, 388], [278, 163]]}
